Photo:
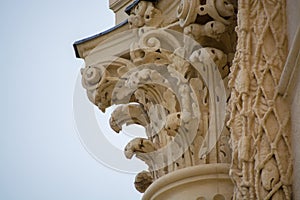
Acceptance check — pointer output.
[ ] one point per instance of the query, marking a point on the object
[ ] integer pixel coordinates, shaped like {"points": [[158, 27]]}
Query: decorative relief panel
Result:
{"points": [[259, 115]]}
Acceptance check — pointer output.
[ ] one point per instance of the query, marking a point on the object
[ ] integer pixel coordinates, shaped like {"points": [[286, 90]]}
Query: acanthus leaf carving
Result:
{"points": [[220, 10], [143, 180], [145, 14], [126, 115], [213, 29], [138, 147], [168, 83]]}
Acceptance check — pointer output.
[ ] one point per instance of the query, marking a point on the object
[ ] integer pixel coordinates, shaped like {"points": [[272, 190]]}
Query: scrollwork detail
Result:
{"points": [[191, 10], [162, 76], [145, 14]]}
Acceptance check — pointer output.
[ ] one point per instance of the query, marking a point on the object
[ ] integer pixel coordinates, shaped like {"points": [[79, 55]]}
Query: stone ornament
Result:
{"points": [[145, 14], [219, 10], [170, 80], [171, 85], [262, 164], [204, 81]]}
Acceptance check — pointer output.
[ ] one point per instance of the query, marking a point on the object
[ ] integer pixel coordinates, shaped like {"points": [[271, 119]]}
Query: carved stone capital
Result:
{"points": [[171, 78]]}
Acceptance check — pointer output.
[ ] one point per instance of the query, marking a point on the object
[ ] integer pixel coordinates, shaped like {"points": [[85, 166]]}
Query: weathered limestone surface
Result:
{"points": [[262, 163], [289, 87], [173, 63], [293, 19], [296, 137], [201, 182]]}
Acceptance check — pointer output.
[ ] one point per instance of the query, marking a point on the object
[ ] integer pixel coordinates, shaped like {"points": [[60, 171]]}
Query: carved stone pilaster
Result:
{"points": [[259, 116]]}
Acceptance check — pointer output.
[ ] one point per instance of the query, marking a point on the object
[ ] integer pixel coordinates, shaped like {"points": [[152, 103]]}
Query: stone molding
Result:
{"points": [[200, 182]]}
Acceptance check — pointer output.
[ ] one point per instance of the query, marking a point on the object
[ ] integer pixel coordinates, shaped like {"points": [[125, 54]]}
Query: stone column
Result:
{"points": [[259, 122]]}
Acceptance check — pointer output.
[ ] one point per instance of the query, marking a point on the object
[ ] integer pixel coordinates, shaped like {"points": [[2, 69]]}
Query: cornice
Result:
{"points": [[77, 44]]}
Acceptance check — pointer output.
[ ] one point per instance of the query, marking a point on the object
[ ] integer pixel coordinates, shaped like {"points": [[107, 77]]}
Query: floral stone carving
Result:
{"points": [[172, 80], [173, 83]]}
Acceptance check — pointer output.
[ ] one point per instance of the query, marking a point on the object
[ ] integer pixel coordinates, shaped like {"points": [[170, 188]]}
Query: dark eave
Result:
{"points": [[79, 42], [129, 8]]}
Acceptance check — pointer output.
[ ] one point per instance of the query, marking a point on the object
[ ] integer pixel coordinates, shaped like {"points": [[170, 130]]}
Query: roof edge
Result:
{"points": [[79, 42]]}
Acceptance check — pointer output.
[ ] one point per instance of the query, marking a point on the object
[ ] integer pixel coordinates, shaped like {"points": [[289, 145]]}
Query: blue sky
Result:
{"points": [[41, 156]]}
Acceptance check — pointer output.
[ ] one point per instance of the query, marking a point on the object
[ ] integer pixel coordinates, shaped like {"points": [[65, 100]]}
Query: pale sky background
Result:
{"points": [[41, 156]]}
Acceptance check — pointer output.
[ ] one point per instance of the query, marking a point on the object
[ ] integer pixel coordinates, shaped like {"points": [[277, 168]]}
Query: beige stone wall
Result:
{"points": [[292, 91], [296, 137], [294, 96], [293, 18]]}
